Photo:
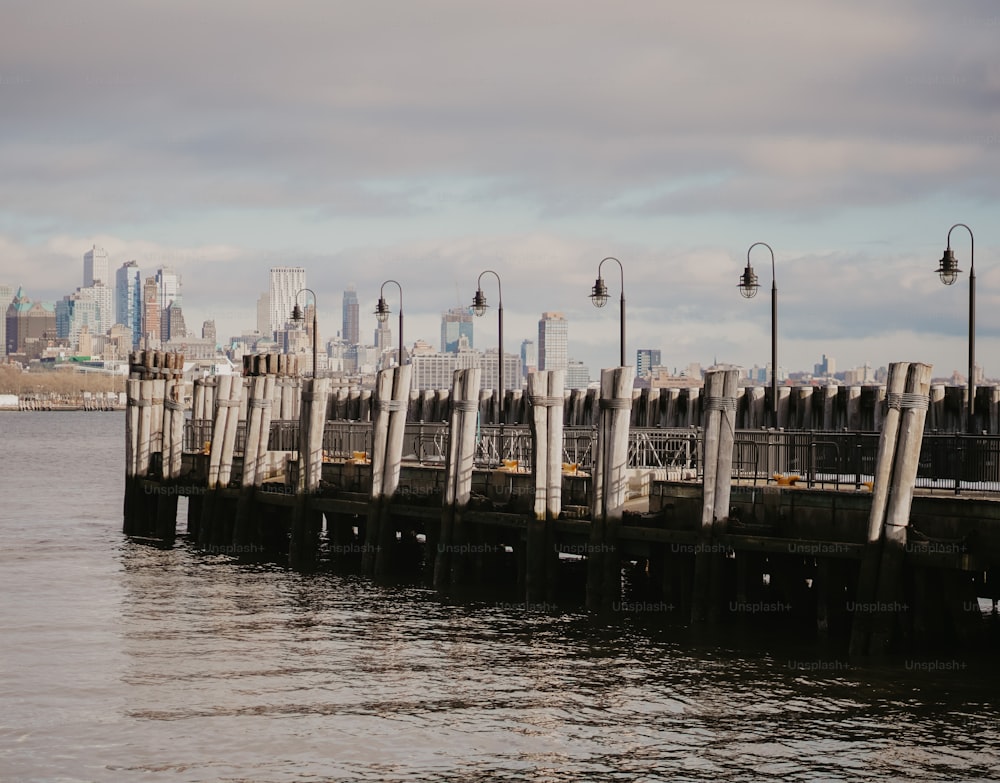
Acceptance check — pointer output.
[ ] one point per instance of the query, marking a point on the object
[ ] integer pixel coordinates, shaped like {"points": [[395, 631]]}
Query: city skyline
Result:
{"points": [[696, 133]]}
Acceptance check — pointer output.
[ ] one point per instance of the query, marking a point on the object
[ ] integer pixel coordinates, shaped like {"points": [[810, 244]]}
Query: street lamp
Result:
{"points": [[948, 272], [382, 312], [748, 289], [599, 295], [479, 307], [298, 316]]}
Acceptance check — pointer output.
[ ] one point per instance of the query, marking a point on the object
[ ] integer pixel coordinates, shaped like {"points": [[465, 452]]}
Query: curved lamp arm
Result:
{"points": [[599, 296], [382, 311]]}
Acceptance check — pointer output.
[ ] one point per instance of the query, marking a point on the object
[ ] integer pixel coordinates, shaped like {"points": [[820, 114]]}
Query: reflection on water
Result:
{"points": [[120, 661]]}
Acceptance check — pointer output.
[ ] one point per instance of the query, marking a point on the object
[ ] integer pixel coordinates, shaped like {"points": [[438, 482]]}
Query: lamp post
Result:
{"points": [[298, 316], [479, 308], [382, 312], [748, 288], [599, 295], [948, 272]]}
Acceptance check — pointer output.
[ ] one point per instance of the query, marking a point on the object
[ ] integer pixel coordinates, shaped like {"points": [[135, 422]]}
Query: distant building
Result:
{"points": [[826, 368], [455, 324], [286, 282], [78, 312], [264, 315], [529, 357], [577, 375], [351, 331], [172, 326], [6, 297], [97, 267], [645, 360], [150, 314], [553, 342], [436, 370], [208, 332], [29, 325], [128, 299]]}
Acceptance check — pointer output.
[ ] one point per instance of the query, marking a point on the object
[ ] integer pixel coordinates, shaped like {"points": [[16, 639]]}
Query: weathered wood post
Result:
{"points": [[133, 483], [254, 457], [303, 542], [608, 488], [545, 390], [879, 601], [170, 467], [719, 424], [448, 562], [211, 501], [391, 403]]}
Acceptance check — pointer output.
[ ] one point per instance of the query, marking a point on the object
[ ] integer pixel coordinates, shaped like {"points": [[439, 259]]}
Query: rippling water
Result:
{"points": [[120, 662]]}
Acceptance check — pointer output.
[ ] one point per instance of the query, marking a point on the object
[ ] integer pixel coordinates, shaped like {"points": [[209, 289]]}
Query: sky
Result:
{"points": [[430, 140]]}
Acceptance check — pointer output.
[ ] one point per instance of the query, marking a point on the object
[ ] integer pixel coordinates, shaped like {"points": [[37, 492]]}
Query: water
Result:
{"points": [[120, 662]]}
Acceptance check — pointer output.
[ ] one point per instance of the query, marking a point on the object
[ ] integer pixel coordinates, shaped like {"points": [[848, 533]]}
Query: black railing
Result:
{"points": [[952, 462]]}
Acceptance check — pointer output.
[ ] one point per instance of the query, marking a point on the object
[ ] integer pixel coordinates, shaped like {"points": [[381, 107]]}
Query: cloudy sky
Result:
{"points": [[427, 140]]}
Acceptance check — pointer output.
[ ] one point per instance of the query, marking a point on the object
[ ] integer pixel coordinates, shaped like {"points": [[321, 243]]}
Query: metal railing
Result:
{"points": [[949, 462]]}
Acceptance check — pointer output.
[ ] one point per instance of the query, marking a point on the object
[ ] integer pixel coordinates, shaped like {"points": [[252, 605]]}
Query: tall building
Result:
{"points": [[150, 314], [264, 315], [351, 333], [172, 326], [490, 378], [128, 298], [208, 332], [645, 360], [286, 282], [577, 375], [529, 357], [29, 324], [97, 266], [455, 323], [169, 283], [79, 312], [828, 367], [104, 300], [6, 297], [553, 342]]}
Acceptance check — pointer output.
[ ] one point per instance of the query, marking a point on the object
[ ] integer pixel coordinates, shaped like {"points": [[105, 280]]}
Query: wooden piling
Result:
{"points": [[545, 389], [303, 541], [878, 594], [133, 481], [254, 458], [391, 403], [608, 489], [449, 564], [719, 422]]}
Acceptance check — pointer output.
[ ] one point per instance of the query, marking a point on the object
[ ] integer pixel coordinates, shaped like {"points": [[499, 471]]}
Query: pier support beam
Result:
{"points": [[391, 402], [303, 541], [449, 562], [719, 418], [545, 390], [609, 488], [880, 602]]}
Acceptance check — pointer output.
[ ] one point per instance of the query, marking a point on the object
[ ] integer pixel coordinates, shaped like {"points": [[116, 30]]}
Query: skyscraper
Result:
{"points": [[454, 324], [6, 297], [645, 360], [286, 282], [96, 266], [529, 357], [351, 333], [264, 315], [553, 342], [150, 313], [128, 298], [169, 283]]}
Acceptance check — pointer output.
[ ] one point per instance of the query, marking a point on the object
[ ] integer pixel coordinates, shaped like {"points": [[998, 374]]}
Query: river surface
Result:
{"points": [[123, 662]]}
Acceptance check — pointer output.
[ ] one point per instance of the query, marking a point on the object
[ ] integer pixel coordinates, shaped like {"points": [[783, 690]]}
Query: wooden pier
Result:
{"points": [[880, 564]]}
